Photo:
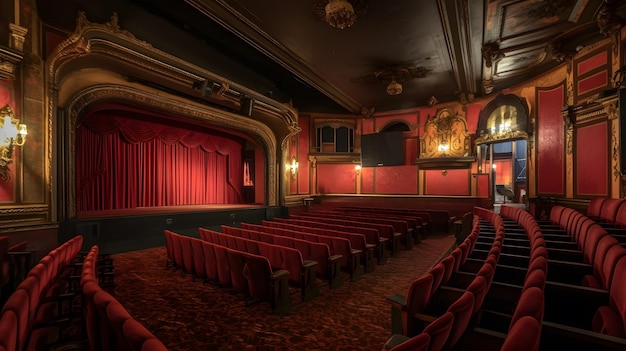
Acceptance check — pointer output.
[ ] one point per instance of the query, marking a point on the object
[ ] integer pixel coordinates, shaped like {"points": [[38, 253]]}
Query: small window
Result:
{"points": [[334, 138]]}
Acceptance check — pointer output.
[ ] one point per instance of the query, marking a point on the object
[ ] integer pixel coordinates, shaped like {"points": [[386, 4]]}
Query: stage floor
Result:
{"points": [[143, 211]]}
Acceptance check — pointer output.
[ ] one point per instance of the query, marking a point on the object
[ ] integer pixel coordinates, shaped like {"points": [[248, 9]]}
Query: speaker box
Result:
{"points": [[246, 106]]}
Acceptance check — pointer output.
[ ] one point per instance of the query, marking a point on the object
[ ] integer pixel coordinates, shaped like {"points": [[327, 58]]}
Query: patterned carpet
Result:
{"points": [[192, 315]]}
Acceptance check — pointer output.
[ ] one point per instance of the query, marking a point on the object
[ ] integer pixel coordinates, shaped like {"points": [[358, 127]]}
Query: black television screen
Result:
{"points": [[382, 149]]}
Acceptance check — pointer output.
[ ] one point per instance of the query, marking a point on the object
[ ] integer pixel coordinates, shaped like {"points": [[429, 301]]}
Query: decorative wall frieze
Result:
{"points": [[569, 131], [9, 61], [18, 36]]}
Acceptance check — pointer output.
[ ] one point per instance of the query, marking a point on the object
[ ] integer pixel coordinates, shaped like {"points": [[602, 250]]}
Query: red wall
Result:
{"points": [[336, 178], [591, 160], [367, 180], [550, 151], [396, 180], [455, 182]]}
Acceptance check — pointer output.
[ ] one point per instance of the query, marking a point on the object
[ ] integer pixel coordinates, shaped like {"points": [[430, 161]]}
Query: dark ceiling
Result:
{"points": [[459, 49]]}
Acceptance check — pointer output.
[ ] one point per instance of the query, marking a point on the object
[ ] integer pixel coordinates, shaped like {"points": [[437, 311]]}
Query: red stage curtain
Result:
{"points": [[127, 163]]}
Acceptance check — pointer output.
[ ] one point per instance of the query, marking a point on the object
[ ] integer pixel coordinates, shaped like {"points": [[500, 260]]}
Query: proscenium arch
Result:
{"points": [[140, 98], [89, 67]]}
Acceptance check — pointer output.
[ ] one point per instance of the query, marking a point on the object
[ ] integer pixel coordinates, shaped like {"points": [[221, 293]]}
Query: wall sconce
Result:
{"points": [[357, 169], [293, 167], [444, 172], [12, 133]]}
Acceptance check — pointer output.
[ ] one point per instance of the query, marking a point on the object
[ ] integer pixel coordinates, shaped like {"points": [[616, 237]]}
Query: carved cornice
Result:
{"points": [[334, 158], [594, 109], [511, 135], [9, 60]]}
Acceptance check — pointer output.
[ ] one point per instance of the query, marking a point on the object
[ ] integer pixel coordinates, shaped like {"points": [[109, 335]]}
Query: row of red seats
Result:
{"points": [[302, 273], [435, 316], [608, 260], [327, 267], [34, 310], [423, 219], [403, 229], [526, 322], [350, 260], [372, 235], [438, 220], [246, 273], [363, 239], [108, 324], [385, 230], [415, 223], [607, 210]]}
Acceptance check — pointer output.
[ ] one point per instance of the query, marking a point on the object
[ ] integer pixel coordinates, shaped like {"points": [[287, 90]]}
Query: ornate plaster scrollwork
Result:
{"points": [[569, 131], [491, 53], [610, 25]]}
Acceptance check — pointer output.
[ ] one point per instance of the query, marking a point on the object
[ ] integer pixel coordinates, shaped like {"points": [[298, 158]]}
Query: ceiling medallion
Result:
{"points": [[394, 76], [339, 13]]}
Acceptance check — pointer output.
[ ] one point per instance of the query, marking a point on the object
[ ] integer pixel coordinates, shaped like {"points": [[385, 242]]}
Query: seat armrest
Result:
{"points": [[397, 301]]}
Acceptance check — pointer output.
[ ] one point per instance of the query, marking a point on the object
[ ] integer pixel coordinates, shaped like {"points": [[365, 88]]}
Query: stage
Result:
{"points": [[123, 230]]}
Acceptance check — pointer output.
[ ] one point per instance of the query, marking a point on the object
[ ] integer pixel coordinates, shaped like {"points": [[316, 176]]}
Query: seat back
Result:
{"points": [[594, 209], [531, 303], [419, 342], [524, 335], [439, 331], [462, 310]]}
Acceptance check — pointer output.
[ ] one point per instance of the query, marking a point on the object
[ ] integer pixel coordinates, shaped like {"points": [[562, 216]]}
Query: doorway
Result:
{"points": [[508, 172]]}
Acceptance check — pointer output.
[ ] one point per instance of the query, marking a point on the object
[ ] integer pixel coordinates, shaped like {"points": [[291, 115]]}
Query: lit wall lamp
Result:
{"points": [[357, 169], [444, 172], [12, 133], [293, 167]]}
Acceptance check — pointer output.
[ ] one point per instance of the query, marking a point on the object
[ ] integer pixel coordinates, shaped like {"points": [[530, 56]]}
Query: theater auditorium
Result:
{"points": [[312, 175]]}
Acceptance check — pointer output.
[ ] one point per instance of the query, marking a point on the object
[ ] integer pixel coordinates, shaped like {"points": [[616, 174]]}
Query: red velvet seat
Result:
{"points": [[606, 256], [437, 271], [439, 331], [199, 267], [420, 342], [18, 303], [448, 263], [8, 331], [462, 310], [169, 249], [536, 278], [594, 209], [596, 233], [478, 287], [609, 210], [531, 303], [524, 335], [611, 319]]}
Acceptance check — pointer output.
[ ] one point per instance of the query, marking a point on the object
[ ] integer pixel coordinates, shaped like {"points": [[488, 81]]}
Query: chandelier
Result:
{"points": [[394, 88], [340, 14]]}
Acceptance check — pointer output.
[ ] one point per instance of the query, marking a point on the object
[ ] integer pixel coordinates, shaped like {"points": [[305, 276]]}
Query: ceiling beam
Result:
{"points": [[226, 16], [462, 22]]}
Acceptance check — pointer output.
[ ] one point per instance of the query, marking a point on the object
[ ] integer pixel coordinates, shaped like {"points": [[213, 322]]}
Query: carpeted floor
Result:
{"points": [[192, 315]]}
